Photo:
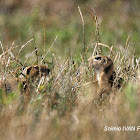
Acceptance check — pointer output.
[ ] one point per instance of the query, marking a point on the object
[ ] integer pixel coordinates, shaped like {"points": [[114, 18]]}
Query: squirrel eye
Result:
{"points": [[104, 61], [98, 58]]}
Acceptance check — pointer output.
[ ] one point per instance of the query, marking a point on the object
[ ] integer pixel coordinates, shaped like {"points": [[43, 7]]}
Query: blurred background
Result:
{"points": [[63, 105], [21, 20]]}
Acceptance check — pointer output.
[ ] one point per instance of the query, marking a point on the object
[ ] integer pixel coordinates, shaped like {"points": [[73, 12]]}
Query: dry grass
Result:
{"points": [[64, 104]]}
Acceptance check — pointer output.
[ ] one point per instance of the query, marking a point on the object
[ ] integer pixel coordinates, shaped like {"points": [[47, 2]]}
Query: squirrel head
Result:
{"points": [[100, 62]]}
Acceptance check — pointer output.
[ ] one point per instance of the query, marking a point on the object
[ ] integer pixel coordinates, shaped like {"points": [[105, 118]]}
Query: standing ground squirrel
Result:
{"points": [[105, 73]]}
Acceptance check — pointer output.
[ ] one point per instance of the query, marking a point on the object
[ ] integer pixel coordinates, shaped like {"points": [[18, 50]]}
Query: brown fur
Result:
{"points": [[29, 75], [34, 73], [104, 72]]}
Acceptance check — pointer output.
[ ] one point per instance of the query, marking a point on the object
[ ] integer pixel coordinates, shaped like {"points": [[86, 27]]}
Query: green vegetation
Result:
{"points": [[63, 105]]}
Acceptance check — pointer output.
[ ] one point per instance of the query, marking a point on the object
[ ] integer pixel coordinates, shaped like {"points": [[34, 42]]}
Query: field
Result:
{"points": [[63, 36]]}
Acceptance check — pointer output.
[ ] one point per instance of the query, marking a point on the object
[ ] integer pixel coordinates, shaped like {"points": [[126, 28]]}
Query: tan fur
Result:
{"points": [[34, 72], [104, 71], [29, 75]]}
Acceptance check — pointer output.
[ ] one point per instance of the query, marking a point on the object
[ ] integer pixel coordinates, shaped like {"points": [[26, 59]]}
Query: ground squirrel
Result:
{"points": [[27, 77], [33, 73], [105, 73]]}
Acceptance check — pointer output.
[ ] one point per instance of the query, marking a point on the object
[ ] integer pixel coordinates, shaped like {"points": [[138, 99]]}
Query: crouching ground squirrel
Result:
{"points": [[33, 73], [105, 73], [28, 76]]}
